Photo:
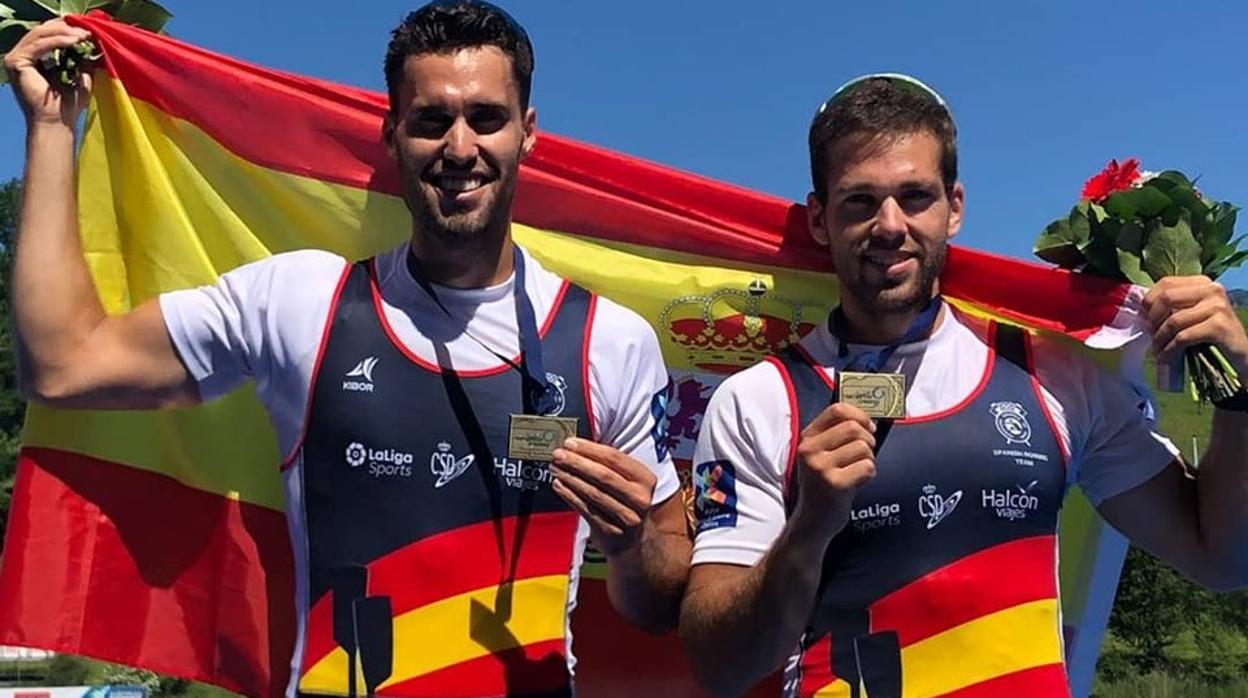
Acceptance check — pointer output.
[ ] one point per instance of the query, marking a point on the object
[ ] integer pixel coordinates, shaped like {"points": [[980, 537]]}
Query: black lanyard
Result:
{"points": [[539, 394], [873, 361]]}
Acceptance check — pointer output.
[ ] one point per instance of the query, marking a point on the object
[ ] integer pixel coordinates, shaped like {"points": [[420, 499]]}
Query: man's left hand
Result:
{"points": [[613, 491], [1189, 310]]}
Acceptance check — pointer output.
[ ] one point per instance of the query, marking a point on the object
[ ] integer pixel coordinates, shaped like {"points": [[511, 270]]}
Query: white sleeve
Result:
{"points": [[628, 391], [740, 464], [263, 321], [1113, 445]]}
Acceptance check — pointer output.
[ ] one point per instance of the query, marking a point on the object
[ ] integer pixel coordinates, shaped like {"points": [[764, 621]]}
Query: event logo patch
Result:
{"points": [[715, 495], [658, 428]]}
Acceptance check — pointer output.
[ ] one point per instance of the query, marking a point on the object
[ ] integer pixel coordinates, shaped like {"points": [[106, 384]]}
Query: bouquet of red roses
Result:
{"points": [[1139, 227]]}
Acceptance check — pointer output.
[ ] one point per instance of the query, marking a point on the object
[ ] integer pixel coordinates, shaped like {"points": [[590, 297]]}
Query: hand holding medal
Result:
{"points": [[835, 456]]}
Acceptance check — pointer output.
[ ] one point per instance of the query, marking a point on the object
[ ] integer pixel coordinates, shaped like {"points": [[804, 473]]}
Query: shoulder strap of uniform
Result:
{"points": [[358, 286], [1011, 344]]}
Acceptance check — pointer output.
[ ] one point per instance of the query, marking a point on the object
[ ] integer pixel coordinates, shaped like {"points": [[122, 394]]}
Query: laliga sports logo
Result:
{"points": [[732, 328], [446, 466], [1011, 420], [356, 455], [383, 462]]}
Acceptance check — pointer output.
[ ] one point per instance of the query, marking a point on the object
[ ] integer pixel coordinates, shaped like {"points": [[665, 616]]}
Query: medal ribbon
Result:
{"points": [[539, 394], [873, 361]]}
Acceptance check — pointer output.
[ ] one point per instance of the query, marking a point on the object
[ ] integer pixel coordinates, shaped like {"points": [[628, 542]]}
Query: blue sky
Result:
{"points": [[1044, 93]]}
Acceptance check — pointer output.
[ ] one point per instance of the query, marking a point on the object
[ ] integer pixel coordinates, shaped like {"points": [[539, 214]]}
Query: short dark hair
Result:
{"points": [[875, 108], [448, 26]]}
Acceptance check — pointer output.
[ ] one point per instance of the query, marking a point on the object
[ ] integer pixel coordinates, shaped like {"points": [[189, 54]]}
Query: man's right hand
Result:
{"points": [[836, 456], [41, 102]]}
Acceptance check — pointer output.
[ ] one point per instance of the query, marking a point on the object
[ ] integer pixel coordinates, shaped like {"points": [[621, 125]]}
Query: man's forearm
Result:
{"points": [[54, 301], [1222, 486], [757, 618], [647, 583]]}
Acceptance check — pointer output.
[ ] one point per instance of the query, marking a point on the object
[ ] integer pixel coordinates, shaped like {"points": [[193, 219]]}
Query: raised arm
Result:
{"points": [[70, 352]]}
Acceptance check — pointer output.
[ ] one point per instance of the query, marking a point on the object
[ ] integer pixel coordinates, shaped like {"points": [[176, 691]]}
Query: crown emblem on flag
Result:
{"points": [[732, 328]]}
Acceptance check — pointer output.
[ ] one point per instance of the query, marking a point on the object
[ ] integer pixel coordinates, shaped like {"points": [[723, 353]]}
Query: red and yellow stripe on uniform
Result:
{"points": [[158, 539], [984, 625], [473, 661]]}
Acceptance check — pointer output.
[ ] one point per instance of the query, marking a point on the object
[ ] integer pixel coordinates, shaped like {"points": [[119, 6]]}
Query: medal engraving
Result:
{"points": [[535, 438], [880, 395]]}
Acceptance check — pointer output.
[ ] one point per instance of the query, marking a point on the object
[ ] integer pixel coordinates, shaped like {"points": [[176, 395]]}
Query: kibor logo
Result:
{"points": [[360, 378]]}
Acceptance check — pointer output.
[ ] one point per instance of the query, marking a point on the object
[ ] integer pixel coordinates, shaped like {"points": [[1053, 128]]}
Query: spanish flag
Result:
{"points": [[158, 539]]}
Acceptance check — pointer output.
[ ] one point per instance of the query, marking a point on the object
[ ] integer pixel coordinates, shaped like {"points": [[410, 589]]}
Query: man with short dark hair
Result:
{"points": [[456, 349], [920, 548]]}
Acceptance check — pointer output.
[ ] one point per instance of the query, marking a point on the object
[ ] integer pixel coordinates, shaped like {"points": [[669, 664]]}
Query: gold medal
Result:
{"points": [[535, 438], [880, 395]]}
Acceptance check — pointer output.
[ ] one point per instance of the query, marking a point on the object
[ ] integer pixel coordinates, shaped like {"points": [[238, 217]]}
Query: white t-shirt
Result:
{"points": [[1111, 447], [264, 321]]}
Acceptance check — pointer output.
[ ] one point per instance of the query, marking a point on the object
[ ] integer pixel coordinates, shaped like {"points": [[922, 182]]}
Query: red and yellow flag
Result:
{"points": [[158, 539]]}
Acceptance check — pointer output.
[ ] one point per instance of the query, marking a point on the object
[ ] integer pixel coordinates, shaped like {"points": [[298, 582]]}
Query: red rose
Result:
{"points": [[1113, 178]]}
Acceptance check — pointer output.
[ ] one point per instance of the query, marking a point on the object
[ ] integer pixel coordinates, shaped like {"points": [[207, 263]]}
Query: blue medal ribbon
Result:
{"points": [[873, 361], [540, 395]]}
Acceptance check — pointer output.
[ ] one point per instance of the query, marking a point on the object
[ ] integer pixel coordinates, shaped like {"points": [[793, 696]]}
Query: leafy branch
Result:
{"points": [[66, 65]]}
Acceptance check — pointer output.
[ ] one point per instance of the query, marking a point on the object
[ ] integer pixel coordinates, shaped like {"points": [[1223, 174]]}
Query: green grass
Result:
{"points": [[1165, 686]]}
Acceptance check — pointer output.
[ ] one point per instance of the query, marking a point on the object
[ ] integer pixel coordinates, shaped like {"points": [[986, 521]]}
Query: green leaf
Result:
{"points": [[1130, 266], [1057, 245], [1228, 256], [74, 7], [1218, 228], [37, 10], [1080, 228], [106, 5], [143, 13], [1216, 262], [1130, 238], [1169, 178], [1190, 200], [1171, 250], [1145, 202], [7, 12], [53, 6], [1236, 259], [1102, 256], [24, 24]]}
